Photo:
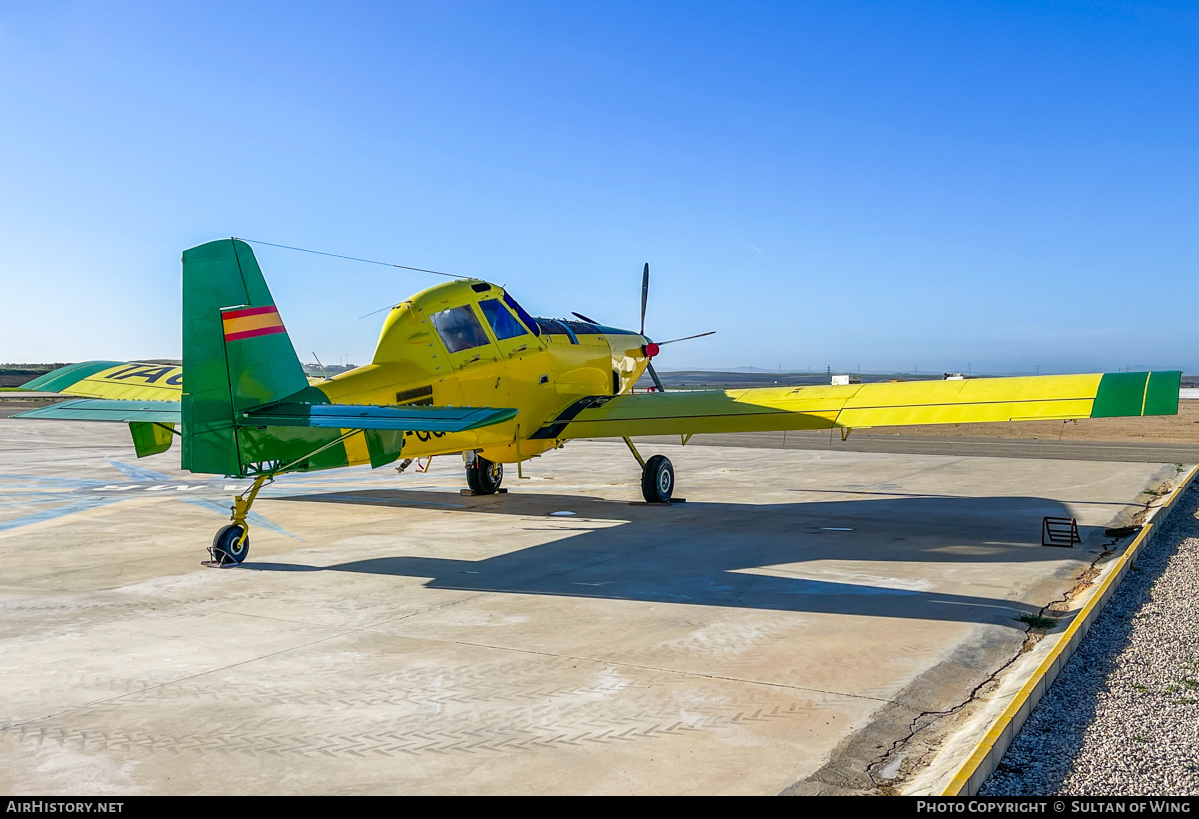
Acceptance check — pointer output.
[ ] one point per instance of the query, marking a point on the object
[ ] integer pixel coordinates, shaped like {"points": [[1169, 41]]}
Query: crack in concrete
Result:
{"points": [[1055, 610], [888, 786]]}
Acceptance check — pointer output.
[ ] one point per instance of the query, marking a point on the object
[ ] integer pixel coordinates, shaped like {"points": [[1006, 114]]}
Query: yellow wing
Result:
{"points": [[869, 405], [129, 381], [120, 380]]}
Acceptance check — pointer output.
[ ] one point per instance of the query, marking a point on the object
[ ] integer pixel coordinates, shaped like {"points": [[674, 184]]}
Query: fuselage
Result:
{"points": [[469, 344]]}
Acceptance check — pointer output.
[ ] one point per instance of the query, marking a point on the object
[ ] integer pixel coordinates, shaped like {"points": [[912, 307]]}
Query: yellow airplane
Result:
{"points": [[462, 368]]}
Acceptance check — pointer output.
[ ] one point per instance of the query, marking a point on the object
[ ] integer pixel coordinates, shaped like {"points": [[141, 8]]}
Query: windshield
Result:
{"points": [[503, 323], [459, 329]]}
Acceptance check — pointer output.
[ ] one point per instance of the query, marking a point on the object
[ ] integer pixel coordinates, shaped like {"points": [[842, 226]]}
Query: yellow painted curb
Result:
{"points": [[994, 744]]}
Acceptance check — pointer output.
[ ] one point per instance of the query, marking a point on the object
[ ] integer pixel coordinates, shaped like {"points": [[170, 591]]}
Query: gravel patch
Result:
{"points": [[1123, 716]]}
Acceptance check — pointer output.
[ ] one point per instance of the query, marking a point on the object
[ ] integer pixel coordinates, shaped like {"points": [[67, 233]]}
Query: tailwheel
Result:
{"points": [[484, 476], [657, 480], [232, 541], [231, 545]]}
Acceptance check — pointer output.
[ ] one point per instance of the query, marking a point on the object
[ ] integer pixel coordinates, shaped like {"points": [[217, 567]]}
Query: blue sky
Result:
{"points": [[890, 185]]}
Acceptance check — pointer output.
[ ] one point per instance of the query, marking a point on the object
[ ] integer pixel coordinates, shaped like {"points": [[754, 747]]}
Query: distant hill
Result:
{"points": [[746, 377], [757, 377], [14, 375]]}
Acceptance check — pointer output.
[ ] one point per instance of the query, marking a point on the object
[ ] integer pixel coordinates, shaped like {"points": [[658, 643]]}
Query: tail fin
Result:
{"points": [[236, 352]]}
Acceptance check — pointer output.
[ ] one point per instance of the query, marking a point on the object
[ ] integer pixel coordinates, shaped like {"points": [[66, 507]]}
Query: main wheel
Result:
{"points": [[485, 477], [225, 546], [657, 480]]}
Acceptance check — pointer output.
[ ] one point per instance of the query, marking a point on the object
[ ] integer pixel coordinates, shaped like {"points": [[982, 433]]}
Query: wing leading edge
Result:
{"points": [[870, 405], [113, 379]]}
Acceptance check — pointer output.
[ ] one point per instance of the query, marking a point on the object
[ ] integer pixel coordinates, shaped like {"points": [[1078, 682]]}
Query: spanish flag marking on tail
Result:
{"points": [[251, 323]]}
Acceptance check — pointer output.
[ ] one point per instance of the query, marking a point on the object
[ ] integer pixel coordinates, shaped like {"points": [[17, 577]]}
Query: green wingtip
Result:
{"points": [[1127, 394], [63, 377]]}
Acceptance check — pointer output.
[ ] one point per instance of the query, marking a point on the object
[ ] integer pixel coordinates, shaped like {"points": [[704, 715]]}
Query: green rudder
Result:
{"points": [[236, 353]]}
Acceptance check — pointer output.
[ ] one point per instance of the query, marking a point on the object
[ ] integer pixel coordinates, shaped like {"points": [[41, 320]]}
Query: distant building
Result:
{"points": [[328, 370]]}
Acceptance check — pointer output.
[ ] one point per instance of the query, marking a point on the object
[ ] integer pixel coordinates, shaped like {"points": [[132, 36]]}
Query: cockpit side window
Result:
{"points": [[503, 323], [459, 329], [529, 321]]}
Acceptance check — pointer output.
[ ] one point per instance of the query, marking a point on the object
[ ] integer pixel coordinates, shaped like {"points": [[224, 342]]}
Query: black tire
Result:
{"points": [[657, 480], [225, 548], [485, 476]]}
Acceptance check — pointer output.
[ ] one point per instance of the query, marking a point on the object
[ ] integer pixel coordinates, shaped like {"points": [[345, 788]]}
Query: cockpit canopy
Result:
{"points": [[449, 311], [460, 329]]}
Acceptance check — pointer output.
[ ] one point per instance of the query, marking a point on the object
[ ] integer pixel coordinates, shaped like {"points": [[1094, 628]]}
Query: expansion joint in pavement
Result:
{"points": [[661, 670], [219, 669]]}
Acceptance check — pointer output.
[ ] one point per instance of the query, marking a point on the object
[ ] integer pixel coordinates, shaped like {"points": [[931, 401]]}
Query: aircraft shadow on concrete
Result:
{"points": [[707, 553]]}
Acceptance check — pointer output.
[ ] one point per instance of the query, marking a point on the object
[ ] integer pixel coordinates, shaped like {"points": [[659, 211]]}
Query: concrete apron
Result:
{"points": [[785, 630]]}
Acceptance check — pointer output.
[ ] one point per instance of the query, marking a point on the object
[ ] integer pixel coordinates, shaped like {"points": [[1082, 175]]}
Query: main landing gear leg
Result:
{"points": [[483, 476], [232, 542], [657, 476]]}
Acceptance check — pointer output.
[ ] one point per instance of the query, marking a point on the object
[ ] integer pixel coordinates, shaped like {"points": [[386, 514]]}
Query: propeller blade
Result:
{"points": [[686, 338], [649, 366], [584, 318], [644, 295]]}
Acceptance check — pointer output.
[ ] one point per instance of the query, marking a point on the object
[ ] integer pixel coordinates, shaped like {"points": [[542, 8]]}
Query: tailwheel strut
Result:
{"points": [[231, 544]]}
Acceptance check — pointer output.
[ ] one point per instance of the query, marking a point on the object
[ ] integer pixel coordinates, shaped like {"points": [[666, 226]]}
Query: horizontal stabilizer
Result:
{"points": [[102, 409], [358, 416], [332, 416]]}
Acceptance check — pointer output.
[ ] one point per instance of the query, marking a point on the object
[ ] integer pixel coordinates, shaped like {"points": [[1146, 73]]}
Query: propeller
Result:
{"points": [[649, 366], [685, 338], [651, 348], [644, 295]]}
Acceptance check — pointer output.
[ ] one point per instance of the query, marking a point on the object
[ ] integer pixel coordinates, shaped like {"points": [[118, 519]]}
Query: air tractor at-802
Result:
{"points": [[462, 368]]}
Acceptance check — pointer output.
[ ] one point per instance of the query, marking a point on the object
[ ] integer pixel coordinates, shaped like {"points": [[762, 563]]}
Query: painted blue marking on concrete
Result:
{"points": [[12, 492], [253, 518], [58, 512], [27, 500], [144, 480], [138, 473], [40, 479]]}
